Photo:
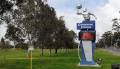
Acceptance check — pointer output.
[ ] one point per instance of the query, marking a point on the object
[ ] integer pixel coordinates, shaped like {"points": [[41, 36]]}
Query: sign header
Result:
{"points": [[86, 25]]}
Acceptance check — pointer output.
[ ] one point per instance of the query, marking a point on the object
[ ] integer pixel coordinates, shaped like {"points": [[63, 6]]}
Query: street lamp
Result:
{"points": [[79, 7]]}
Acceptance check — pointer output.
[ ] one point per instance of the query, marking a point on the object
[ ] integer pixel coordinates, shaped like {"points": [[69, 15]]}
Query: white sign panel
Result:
{"points": [[87, 45]]}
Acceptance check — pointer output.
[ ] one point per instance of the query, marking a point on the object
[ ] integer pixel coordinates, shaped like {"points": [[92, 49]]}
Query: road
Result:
{"points": [[113, 50]]}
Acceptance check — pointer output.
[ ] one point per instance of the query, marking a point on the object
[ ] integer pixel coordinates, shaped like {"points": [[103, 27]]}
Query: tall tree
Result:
{"points": [[5, 10], [107, 37], [36, 20], [39, 25], [14, 34], [5, 6]]}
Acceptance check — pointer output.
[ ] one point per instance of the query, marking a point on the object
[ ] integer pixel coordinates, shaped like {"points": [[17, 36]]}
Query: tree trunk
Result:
{"points": [[42, 51], [50, 51], [56, 50], [66, 50]]}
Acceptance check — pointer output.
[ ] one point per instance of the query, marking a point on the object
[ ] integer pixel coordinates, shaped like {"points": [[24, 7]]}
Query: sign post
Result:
{"points": [[87, 37]]}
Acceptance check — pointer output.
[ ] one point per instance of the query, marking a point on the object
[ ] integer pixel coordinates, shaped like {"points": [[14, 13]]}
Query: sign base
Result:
{"points": [[86, 65]]}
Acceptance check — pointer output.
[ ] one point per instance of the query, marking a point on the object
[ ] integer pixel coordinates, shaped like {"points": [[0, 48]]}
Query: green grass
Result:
{"points": [[62, 60]]}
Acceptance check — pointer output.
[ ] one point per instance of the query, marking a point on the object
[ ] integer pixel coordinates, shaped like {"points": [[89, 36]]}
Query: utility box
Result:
{"points": [[115, 66]]}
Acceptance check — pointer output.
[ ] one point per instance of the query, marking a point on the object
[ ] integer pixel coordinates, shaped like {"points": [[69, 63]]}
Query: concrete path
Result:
{"points": [[113, 50]]}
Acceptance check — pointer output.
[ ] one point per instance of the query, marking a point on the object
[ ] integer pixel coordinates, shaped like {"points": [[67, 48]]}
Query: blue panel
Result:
{"points": [[86, 25], [82, 52], [83, 59]]}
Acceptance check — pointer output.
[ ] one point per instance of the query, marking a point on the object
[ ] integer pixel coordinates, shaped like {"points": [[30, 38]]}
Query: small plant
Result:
{"points": [[99, 61]]}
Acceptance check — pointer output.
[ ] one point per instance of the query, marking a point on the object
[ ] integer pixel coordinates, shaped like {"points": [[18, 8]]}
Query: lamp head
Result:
{"points": [[79, 7]]}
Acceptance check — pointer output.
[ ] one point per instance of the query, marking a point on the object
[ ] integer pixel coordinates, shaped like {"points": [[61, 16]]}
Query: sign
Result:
{"points": [[86, 25], [87, 46], [87, 35]]}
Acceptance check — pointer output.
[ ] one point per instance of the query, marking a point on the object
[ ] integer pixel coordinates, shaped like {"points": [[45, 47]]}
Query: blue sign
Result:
{"points": [[86, 25], [87, 36]]}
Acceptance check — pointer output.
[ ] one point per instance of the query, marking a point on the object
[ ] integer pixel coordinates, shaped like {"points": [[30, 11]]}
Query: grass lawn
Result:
{"points": [[15, 59]]}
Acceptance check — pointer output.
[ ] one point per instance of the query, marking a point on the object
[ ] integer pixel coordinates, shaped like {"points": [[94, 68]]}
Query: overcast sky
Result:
{"points": [[104, 10]]}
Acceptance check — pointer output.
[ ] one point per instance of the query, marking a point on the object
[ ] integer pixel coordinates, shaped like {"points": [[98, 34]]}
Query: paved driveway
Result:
{"points": [[113, 50]]}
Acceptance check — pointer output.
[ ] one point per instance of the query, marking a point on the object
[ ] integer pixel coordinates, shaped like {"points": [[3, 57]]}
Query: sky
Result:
{"points": [[104, 10]]}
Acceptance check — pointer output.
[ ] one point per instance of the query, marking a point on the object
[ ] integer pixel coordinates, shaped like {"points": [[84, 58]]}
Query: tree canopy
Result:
{"points": [[37, 23]]}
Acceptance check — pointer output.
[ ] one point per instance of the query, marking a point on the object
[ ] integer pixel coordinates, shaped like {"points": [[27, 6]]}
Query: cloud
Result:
{"points": [[57, 3], [105, 14], [115, 4]]}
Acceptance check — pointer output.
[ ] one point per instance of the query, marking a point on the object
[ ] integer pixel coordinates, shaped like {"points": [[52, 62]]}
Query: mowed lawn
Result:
{"points": [[17, 59]]}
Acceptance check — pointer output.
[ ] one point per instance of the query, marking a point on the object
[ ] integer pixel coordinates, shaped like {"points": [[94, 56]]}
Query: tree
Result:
{"points": [[63, 37], [116, 28], [70, 39], [25, 21], [106, 40], [5, 9], [107, 37], [116, 39], [22, 46], [5, 6], [14, 34], [100, 43], [37, 22]]}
